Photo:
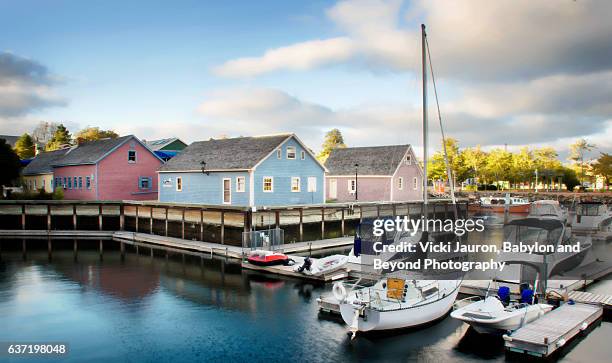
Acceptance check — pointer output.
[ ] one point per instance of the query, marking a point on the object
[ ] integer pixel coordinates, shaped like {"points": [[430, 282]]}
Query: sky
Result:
{"points": [[516, 73]]}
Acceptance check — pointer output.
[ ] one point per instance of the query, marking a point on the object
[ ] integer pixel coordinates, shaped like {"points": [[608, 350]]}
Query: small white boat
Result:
{"points": [[321, 266], [592, 217], [492, 316]]}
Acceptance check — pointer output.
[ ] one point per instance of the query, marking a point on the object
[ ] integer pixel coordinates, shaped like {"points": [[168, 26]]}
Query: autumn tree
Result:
{"points": [[474, 161], [24, 147], [60, 138], [577, 153], [333, 140], [499, 165], [437, 165], [93, 134]]}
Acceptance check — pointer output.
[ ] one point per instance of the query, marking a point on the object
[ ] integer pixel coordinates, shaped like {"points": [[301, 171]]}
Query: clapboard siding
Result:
{"points": [[199, 188]]}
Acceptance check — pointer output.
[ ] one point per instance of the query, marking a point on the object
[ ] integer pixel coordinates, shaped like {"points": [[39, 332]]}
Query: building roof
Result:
{"points": [[372, 160], [240, 153], [43, 162], [156, 145], [92, 151], [11, 140]]}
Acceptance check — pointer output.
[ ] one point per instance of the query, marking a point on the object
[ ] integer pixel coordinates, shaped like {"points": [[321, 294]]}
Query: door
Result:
{"points": [[227, 191], [333, 189]]}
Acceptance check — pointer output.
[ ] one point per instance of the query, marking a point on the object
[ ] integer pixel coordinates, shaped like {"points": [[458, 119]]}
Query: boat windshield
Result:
{"points": [[591, 210], [543, 210], [529, 235]]}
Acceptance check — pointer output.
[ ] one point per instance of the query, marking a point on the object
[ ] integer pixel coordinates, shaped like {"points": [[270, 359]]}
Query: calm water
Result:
{"points": [[147, 309]]}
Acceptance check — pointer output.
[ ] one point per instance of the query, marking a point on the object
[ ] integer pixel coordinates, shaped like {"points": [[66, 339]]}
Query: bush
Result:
{"points": [[471, 188], [32, 195], [58, 193], [487, 187]]}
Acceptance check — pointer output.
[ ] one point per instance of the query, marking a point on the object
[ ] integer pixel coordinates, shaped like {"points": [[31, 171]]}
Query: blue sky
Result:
{"points": [[198, 69]]}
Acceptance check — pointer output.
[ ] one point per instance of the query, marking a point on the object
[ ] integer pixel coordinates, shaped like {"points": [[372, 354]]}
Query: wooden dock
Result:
{"points": [[546, 335]]}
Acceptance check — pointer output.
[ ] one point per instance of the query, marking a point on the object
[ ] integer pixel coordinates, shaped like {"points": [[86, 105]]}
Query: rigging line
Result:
{"points": [[448, 167]]}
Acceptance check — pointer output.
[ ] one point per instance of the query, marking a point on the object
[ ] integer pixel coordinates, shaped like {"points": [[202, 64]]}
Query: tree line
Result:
{"points": [[52, 136]]}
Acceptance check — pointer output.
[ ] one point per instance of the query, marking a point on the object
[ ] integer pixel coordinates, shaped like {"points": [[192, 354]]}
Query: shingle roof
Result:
{"points": [[225, 154], [161, 143], [92, 151], [43, 162], [374, 160], [11, 140]]}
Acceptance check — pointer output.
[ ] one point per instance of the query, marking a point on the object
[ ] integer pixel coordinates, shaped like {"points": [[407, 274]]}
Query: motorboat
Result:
{"points": [[501, 205], [548, 209], [592, 217], [555, 249], [496, 314], [268, 258], [321, 266]]}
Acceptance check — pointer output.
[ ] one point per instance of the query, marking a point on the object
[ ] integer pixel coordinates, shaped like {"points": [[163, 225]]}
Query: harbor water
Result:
{"points": [[144, 308]]}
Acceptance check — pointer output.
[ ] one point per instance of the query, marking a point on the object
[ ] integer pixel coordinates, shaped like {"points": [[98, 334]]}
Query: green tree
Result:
{"points": [[577, 152], [9, 164], [499, 165], [569, 178], [437, 165], [522, 165], [475, 161], [93, 134], [60, 138], [603, 166], [333, 140], [24, 147]]}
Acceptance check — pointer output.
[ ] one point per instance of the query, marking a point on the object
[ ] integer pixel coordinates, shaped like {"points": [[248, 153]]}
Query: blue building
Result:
{"points": [[244, 171]]}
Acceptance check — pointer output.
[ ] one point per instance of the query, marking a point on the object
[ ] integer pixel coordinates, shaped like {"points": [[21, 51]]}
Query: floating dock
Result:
{"points": [[546, 335]]}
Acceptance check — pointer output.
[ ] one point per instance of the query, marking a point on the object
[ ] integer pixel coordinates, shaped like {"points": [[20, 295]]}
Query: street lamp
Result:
{"points": [[203, 164], [356, 195]]}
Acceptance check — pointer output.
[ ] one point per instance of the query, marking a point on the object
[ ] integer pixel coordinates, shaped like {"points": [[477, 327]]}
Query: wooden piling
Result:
{"points": [[23, 217], [277, 219], [183, 223], [100, 225], [222, 227], [342, 223], [74, 217], [301, 224], [166, 222], [151, 220], [48, 217], [121, 217], [202, 225], [322, 223], [101, 248], [136, 218]]}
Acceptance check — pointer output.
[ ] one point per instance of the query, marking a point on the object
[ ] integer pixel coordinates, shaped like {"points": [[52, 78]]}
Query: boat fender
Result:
{"points": [[339, 291], [561, 342], [584, 326]]}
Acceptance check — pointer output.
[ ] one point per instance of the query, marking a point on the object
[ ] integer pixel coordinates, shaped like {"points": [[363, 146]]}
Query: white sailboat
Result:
{"points": [[398, 300]]}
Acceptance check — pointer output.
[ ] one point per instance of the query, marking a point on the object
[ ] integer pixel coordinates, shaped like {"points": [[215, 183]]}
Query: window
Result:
{"points": [[279, 153], [303, 155], [352, 185], [408, 159], [179, 184], [88, 182], [69, 183], [295, 184], [227, 191], [312, 184], [291, 152], [75, 182], [415, 183], [268, 184], [131, 156], [34, 183], [80, 182], [400, 183], [145, 182], [64, 183], [240, 184]]}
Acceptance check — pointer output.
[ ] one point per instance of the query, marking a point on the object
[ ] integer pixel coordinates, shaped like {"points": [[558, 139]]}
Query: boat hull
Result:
{"points": [[509, 323], [372, 320], [499, 208]]}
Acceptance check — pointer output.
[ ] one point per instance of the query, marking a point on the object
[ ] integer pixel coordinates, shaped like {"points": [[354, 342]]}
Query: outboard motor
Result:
{"points": [[306, 265]]}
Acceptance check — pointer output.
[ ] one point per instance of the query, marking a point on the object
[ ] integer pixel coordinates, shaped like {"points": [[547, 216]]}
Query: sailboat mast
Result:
{"points": [[425, 131]]}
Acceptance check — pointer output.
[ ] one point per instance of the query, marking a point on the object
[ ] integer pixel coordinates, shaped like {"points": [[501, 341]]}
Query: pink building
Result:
{"points": [[109, 169], [384, 173]]}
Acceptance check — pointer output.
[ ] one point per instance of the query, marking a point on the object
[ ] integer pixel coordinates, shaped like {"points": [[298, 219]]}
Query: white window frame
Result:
{"points": [[135, 156], [312, 184], [223, 191], [303, 155], [299, 182], [263, 186], [351, 183], [238, 189], [415, 183], [400, 183], [408, 160], [291, 149], [279, 154], [179, 184]]}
